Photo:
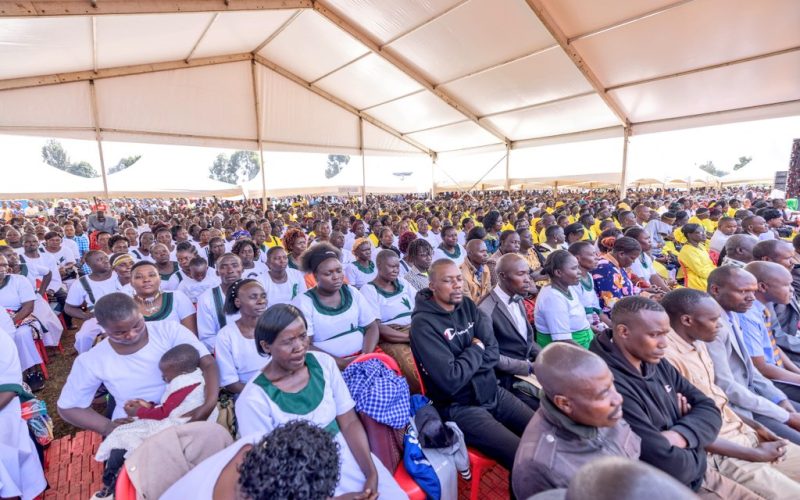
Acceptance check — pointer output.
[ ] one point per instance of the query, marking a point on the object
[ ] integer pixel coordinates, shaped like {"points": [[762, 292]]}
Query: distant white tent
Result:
{"points": [[39, 180], [749, 174], [150, 178]]}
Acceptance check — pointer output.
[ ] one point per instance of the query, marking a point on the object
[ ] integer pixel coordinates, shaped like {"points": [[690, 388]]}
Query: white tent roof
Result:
{"points": [[749, 174], [350, 75]]}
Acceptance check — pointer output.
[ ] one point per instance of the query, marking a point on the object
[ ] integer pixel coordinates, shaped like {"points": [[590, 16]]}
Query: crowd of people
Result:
{"points": [[658, 327]]}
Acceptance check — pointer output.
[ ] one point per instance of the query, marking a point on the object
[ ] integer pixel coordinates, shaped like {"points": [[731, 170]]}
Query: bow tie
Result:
{"points": [[515, 299]]}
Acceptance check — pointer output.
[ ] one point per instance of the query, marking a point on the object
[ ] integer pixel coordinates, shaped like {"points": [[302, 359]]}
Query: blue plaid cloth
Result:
{"points": [[379, 392], [83, 247]]}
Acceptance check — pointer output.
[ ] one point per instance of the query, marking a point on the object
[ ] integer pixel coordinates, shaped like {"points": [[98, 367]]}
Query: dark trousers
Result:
{"points": [[780, 428], [61, 300], [493, 430], [116, 459]]}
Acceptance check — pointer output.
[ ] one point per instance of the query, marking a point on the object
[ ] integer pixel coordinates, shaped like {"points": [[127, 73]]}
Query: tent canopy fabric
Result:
{"points": [[348, 76]]}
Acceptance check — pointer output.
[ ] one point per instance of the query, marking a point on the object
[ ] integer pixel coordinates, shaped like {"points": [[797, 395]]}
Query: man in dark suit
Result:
{"points": [[512, 330]]}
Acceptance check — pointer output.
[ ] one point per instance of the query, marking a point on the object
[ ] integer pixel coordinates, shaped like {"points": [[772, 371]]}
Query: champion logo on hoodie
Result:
{"points": [[452, 333], [668, 388]]}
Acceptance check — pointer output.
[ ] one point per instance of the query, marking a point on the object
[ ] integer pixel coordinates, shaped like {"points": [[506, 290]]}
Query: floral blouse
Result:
{"points": [[612, 283]]}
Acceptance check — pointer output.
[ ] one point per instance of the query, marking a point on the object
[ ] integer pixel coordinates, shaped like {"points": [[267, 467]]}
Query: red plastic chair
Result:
{"points": [[385, 358], [125, 489], [480, 463], [408, 484]]}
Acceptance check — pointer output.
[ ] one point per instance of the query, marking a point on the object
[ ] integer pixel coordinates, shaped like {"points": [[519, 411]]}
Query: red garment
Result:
{"points": [[172, 402]]}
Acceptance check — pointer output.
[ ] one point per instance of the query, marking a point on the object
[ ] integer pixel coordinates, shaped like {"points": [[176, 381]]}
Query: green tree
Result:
{"points": [[711, 169], [53, 154], [240, 167], [336, 164], [743, 160], [83, 169], [123, 163]]}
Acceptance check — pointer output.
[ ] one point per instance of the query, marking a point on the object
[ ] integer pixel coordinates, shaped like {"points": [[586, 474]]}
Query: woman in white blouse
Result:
{"points": [[237, 357]]}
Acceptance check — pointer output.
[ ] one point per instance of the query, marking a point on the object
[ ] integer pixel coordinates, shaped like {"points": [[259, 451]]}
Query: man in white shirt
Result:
{"points": [[512, 330], [85, 293]]}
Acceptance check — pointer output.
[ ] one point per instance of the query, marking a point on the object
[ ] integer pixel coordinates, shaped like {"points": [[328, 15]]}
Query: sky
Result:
{"points": [[664, 155]]}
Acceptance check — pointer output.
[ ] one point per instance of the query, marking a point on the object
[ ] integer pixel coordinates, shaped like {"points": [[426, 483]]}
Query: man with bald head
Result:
{"points": [[456, 353], [783, 253], [738, 250], [477, 278], [759, 326], [512, 330], [751, 394], [579, 420]]}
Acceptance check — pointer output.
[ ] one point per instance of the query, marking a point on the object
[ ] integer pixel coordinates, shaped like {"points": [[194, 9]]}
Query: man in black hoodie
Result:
{"points": [[675, 420], [456, 353]]}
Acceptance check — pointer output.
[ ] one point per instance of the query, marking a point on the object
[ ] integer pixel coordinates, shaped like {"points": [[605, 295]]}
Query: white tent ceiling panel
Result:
{"points": [[237, 32], [646, 49], [572, 115], [369, 81], [765, 81], [214, 101], [456, 136], [149, 38], [170, 140], [376, 139], [541, 77], [385, 21], [294, 115], [475, 36], [578, 17], [44, 46], [311, 47], [419, 111], [51, 106]]}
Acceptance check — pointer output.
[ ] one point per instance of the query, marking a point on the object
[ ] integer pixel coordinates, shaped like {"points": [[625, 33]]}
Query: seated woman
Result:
{"points": [[449, 248], [296, 457], [403, 243], [586, 253], [156, 305], [215, 250], [362, 270], [298, 384], [236, 354], [295, 242], [249, 253], [386, 241], [644, 266], [611, 278], [340, 321], [559, 315], [509, 243], [694, 258], [122, 265], [393, 299], [420, 254], [127, 362], [21, 472], [282, 284], [17, 300]]}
